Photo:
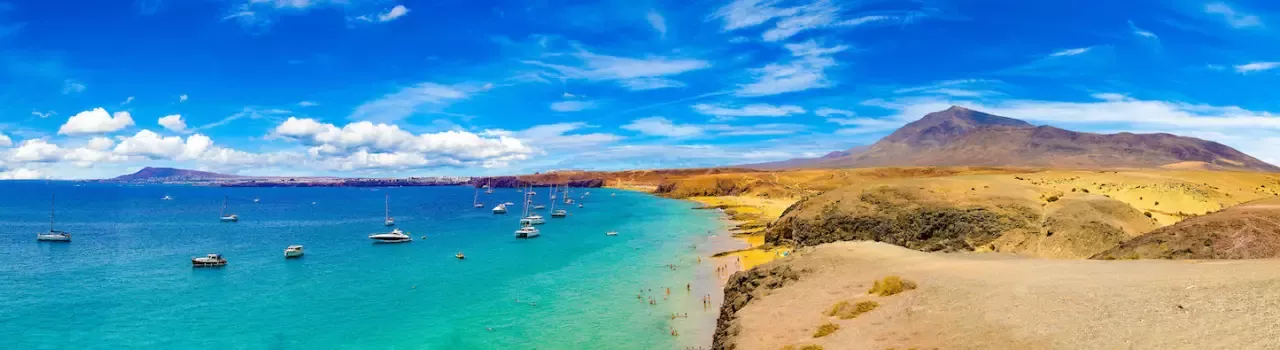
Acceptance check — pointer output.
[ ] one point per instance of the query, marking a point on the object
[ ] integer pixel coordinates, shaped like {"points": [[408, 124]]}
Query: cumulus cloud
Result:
{"points": [[5, 141], [35, 150], [100, 143], [572, 106], [805, 70], [173, 122], [659, 126], [366, 144], [751, 110], [95, 121], [21, 174]]}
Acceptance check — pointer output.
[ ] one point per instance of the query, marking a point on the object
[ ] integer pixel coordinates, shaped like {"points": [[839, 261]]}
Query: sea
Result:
{"points": [[126, 280]]}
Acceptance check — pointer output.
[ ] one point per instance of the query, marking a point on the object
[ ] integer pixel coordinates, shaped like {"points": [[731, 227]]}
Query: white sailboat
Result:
{"points": [[557, 213], [475, 201], [388, 221], [222, 214], [488, 188], [526, 222], [53, 235]]}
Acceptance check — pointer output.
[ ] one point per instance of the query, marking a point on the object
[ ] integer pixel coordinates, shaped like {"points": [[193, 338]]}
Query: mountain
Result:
{"points": [[150, 174], [959, 136]]}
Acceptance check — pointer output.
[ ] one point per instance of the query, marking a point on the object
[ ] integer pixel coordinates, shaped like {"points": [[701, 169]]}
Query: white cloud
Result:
{"points": [[5, 141], [1234, 18], [36, 150], [558, 137], [365, 144], [149, 144], [44, 114], [806, 70], [100, 143], [658, 23], [307, 104], [827, 112], [70, 86], [404, 103], [751, 110], [818, 14], [95, 121], [1142, 32], [1256, 67], [755, 129], [633, 73], [568, 95], [659, 126], [1071, 52], [173, 123], [393, 13], [127, 100], [182, 98], [572, 106], [21, 174]]}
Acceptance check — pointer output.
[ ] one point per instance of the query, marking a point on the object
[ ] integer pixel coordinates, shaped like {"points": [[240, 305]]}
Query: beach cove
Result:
{"points": [[125, 279]]}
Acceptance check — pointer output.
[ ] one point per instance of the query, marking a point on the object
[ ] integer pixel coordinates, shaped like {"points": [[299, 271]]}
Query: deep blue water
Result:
{"points": [[125, 281]]}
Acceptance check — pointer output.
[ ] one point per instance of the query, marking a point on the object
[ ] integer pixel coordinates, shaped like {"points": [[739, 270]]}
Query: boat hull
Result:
{"points": [[382, 241], [196, 263], [296, 254], [53, 238]]}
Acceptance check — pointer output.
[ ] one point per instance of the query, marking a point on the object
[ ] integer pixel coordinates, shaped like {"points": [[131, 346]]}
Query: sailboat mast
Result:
{"points": [[386, 207], [223, 211]]}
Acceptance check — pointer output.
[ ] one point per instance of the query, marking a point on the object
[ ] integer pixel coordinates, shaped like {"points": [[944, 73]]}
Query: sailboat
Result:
{"points": [[389, 221], [556, 213], [530, 218], [222, 214], [53, 235], [475, 201], [526, 224], [488, 188]]}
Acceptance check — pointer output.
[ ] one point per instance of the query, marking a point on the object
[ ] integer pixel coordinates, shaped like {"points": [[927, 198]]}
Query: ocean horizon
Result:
{"points": [[126, 281]]}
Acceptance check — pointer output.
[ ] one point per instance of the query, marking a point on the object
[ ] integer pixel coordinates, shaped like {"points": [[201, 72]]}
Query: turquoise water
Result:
{"points": [[126, 281]]}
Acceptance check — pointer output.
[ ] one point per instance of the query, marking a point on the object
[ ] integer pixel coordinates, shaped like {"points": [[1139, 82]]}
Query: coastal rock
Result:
{"points": [[741, 288]]}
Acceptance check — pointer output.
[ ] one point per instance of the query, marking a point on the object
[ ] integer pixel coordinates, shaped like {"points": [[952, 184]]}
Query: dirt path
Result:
{"points": [[970, 301]]}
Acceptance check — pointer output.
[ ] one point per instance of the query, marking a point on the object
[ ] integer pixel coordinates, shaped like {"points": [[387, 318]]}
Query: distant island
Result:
{"points": [[160, 175]]}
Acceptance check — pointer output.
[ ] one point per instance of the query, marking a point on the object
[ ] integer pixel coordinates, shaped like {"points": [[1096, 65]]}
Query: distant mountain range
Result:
{"points": [[959, 136]]}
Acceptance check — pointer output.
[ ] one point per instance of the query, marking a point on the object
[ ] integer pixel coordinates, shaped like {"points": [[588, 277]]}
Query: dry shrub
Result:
{"points": [[803, 347], [844, 310], [826, 329], [891, 285]]}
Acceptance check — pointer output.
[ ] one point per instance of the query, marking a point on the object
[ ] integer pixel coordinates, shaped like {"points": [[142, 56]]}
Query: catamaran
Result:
{"points": [[388, 221], [53, 235], [222, 214]]}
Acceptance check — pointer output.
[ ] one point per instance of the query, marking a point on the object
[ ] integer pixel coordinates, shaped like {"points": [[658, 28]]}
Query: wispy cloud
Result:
{"points": [[645, 73], [307, 104], [656, 21], [389, 15], [827, 112], [409, 100], [572, 106], [790, 21], [751, 110], [127, 100], [44, 114], [1071, 52], [659, 126], [805, 70], [182, 98], [1142, 32], [1256, 67], [1234, 18], [71, 86]]}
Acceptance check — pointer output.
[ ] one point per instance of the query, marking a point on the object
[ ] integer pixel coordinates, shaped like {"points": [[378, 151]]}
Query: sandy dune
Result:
{"points": [[1000, 301]]}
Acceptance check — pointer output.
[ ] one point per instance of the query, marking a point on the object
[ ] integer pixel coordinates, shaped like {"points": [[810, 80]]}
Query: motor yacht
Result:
{"points": [[211, 260], [395, 236], [293, 251]]}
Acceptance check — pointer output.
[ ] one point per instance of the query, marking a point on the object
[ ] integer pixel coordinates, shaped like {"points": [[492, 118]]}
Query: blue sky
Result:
{"points": [[419, 88]]}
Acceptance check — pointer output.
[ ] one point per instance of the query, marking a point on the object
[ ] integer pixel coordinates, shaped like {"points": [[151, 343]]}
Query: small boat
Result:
{"points": [[166, 198], [613, 194], [388, 221], [53, 235], [559, 213], [256, 199], [579, 205], [459, 256], [395, 236], [478, 205], [293, 251], [508, 203], [527, 232], [539, 207], [211, 260], [500, 209], [222, 214], [611, 233]]}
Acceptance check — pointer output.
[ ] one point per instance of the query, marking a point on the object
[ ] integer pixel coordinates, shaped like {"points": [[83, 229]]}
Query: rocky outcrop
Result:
{"points": [[741, 288]]}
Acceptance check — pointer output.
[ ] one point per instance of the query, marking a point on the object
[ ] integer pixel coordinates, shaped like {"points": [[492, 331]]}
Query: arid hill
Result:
{"points": [[1246, 231], [963, 137]]}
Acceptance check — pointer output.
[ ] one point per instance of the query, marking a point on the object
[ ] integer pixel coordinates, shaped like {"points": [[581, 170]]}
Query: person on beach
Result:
{"points": [[688, 287], [668, 290]]}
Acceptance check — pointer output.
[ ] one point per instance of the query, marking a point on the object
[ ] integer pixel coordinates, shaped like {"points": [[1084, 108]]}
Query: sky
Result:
{"points": [[398, 88]]}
